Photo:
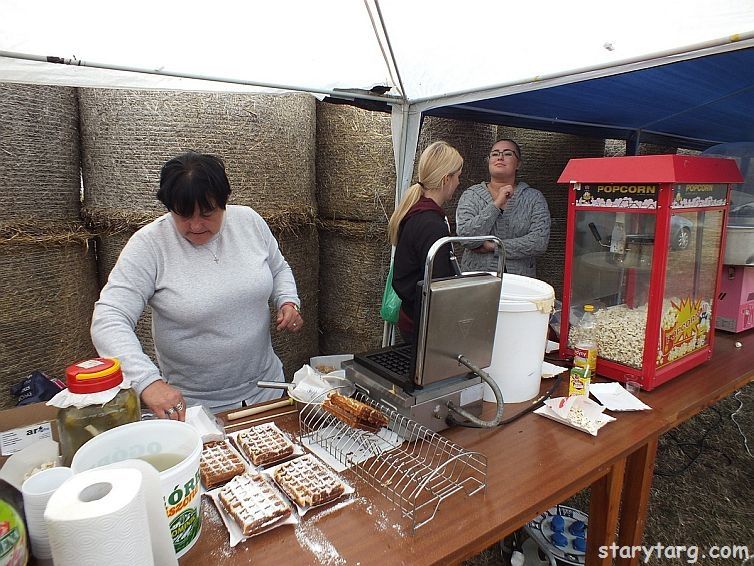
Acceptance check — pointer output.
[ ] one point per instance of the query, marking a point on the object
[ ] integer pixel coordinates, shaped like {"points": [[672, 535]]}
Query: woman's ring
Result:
{"points": [[179, 406], [170, 411]]}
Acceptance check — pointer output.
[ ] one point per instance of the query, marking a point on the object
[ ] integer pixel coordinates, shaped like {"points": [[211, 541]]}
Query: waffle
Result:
{"points": [[309, 482], [355, 413], [264, 444], [252, 502], [218, 464]]}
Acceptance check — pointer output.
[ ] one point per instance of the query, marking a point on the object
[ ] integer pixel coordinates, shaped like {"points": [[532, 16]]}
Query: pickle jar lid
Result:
{"points": [[93, 375]]}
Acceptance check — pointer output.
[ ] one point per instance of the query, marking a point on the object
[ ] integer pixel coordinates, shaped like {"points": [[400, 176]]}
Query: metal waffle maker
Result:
{"points": [[455, 336]]}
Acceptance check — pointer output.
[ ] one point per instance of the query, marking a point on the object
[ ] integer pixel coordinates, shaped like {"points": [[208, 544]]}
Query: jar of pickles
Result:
{"points": [[96, 400]]}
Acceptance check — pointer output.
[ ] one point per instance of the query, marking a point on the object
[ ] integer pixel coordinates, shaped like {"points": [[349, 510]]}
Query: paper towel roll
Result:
{"points": [[100, 517]]}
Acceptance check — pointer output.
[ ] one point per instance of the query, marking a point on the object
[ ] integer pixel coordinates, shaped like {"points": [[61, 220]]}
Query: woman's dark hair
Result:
{"points": [[192, 179], [515, 144]]}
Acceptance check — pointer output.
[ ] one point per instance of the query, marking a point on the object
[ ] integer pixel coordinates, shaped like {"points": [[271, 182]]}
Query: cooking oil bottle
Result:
{"points": [[584, 354]]}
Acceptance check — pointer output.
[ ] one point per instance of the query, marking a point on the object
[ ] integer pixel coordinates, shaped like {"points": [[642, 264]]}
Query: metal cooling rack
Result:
{"points": [[415, 468]]}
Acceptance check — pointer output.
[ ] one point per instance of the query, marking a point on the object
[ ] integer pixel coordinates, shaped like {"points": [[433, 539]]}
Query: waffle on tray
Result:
{"points": [[264, 444], [308, 482], [355, 413], [219, 463], [252, 502]]}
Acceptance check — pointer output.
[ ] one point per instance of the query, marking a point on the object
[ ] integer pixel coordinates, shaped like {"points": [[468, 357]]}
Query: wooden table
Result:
{"points": [[533, 464]]}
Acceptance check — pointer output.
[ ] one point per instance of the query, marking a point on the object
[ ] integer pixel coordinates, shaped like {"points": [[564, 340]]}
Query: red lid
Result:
{"points": [[94, 375]]}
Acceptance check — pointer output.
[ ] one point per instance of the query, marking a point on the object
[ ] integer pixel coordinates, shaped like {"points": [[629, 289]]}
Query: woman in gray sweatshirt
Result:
{"points": [[507, 208], [208, 270]]}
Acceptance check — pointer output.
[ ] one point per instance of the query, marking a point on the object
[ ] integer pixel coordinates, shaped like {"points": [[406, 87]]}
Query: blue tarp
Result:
{"points": [[694, 103]]}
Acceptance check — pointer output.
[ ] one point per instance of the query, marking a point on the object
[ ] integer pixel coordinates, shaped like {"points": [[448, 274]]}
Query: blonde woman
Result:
{"points": [[417, 223]]}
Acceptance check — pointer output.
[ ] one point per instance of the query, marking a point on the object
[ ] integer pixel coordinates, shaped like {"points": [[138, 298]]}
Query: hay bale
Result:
{"points": [[545, 155], [354, 262], [50, 287], [355, 164], [40, 154], [266, 141], [473, 141], [301, 251]]}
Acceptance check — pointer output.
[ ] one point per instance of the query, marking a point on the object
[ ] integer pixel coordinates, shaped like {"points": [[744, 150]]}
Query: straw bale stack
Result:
{"points": [[473, 141], [355, 164], [545, 155], [49, 288], [40, 154], [266, 141], [354, 261], [301, 251]]}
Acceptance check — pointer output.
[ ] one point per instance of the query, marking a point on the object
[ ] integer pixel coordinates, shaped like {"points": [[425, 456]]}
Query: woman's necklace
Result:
{"points": [[216, 252]]}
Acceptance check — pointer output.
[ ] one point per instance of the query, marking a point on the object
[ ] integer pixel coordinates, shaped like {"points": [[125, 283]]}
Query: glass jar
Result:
{"points": [[76, 425]]}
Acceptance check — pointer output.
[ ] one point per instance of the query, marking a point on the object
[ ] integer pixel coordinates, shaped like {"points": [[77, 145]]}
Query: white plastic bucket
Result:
{"points": [[152, 441], [520, 338]]}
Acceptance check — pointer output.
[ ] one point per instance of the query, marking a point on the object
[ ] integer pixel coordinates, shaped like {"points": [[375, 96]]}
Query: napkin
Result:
{"points": [[577, 411], [551, 370], [615, 398]]}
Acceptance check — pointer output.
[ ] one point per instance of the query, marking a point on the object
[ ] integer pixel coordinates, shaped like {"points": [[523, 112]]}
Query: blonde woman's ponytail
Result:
{"points": [[410, 198]]}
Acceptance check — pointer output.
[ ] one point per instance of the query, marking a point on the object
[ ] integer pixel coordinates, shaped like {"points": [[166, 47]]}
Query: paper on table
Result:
{"points": [[551, 370], [205, 425], [577, 411], [615, 398]]}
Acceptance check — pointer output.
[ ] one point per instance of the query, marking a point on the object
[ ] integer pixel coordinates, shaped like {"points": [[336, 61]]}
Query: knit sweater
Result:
{"points": [[210, 320], [523, 226]]}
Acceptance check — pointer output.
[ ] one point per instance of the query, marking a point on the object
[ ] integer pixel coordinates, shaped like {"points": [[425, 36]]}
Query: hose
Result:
{"points": [[534, 405], [495, 389]]}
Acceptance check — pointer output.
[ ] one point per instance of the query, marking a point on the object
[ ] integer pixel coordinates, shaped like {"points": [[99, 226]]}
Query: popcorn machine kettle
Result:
{"points": [[643, 245]]}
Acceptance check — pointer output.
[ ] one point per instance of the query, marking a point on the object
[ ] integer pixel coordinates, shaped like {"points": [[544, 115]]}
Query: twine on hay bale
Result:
{"points": [[39, 156], [545, 155], [265, 140], [355, 163], [354, 262], [50, 287]]}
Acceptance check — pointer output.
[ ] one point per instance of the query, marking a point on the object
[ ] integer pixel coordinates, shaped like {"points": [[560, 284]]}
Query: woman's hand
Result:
{"points": [[165, 401], [289, 318], [486, 248], [503, 194]]}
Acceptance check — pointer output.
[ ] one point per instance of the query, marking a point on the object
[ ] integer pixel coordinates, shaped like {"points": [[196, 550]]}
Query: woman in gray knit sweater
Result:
{"points": [[507, 208]]}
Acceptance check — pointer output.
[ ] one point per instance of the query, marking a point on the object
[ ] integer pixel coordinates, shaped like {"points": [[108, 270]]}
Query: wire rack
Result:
{"points": [[415, 468]]}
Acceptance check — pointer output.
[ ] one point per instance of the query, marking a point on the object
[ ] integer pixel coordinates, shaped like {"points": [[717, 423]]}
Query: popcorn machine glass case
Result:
{"points": [[643, 246]]}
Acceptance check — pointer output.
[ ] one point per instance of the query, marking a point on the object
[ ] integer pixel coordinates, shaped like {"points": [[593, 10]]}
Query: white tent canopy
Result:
{"points": [[413, 54]]}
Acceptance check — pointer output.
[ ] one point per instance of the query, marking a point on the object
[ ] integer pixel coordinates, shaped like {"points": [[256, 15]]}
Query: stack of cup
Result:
{"points": [[36, 492]]}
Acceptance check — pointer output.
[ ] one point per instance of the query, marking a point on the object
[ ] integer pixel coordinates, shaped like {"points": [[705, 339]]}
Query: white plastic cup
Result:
{"points": [[36, 492], [180, 484]]}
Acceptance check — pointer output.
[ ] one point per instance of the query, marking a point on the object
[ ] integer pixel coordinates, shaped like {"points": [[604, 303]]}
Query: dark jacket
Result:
{"points": [[422, 226]]}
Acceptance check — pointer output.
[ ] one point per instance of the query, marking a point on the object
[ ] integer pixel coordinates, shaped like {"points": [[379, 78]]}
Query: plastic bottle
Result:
{"points": [[584, 354]]}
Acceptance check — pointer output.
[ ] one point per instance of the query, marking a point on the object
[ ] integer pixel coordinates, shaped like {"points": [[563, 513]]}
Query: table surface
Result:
{"points": [[533, 464]]}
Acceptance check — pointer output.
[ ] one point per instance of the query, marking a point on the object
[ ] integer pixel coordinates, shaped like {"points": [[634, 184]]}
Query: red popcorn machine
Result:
{"points": [[643, 245]]}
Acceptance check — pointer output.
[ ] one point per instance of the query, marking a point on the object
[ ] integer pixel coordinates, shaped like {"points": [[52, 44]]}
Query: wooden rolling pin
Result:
{"points": [[260, 409]]}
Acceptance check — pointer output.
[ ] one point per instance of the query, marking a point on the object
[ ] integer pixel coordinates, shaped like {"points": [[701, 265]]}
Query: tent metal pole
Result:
{"points": [[343, 94]]}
